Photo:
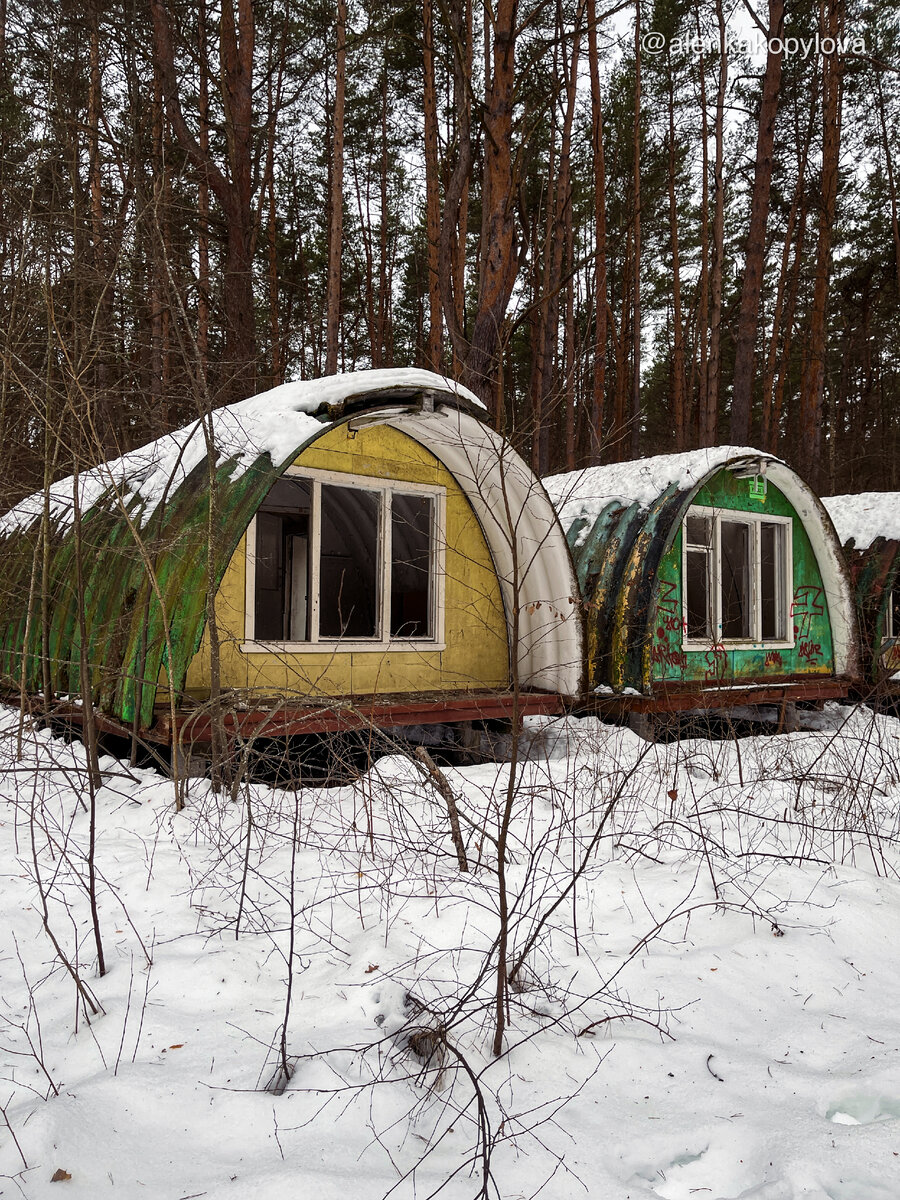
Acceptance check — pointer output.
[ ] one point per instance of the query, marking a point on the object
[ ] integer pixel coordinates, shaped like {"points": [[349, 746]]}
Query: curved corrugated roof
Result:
{"points": [[273, 424], [145, 536], [619, 521], [585, 494]]}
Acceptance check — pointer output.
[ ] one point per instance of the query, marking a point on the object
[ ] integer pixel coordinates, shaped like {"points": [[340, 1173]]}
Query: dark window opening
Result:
{"points": [[282, 563], [412, 520], [349, 559], [699, 616], [349, 571], [735, 582], [698, 531], [771, 571], [894, 613]]}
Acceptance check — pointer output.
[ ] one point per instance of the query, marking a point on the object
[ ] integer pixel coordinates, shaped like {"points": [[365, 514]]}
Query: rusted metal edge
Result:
{"points": [[289, 720], [334, 717], [683, 699]]}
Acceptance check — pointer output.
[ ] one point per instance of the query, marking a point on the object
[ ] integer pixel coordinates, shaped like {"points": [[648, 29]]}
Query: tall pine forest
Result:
{"points": [[631, 228]]}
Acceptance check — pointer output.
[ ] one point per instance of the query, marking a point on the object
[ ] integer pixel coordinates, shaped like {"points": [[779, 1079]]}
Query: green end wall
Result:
{"points": [[813, 652]]}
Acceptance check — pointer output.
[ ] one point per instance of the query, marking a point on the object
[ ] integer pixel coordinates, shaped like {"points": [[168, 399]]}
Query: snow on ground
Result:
{"points": [[710, 1012]]}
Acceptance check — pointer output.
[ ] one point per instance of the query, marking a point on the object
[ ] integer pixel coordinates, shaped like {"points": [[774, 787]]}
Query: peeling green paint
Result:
{"points": [[812, 652], [629, 567], [145, 589], [876, 574]]}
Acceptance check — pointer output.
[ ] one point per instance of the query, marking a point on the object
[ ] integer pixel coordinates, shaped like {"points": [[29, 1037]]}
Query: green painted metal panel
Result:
{"points": [[876, 574], [629, 567], [145, 588], [812, 653]]}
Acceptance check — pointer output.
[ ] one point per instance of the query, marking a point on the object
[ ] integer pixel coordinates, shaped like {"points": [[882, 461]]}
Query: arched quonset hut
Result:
{"points": [[371, 538], [868, 524], [709, 578]]}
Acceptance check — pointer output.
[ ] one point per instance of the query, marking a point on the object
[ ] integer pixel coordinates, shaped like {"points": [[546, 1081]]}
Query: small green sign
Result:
{"points": [[757, 487]]}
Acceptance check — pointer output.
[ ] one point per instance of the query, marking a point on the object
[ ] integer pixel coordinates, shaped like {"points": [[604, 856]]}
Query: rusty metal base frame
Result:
{"points": [[678, 698], [337, 715]]}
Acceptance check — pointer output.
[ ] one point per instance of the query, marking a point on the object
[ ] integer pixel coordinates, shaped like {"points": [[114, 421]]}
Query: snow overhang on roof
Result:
{"points": [[587, 493], [274, 424], [863, 517]]}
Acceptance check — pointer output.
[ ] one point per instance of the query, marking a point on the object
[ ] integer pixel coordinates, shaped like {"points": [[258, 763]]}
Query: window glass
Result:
{"points": [[698, 531], [282, 563], [735, 582], [350, 555], [771, 574], [894, 613], [699, 617], [412, 521]]}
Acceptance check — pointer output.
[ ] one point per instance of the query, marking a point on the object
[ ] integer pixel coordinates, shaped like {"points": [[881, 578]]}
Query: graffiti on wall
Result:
{"points": [[807, 607], [668, 626]]}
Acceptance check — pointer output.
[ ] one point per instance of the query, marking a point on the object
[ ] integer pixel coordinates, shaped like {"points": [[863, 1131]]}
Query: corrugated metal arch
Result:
{"points": [[146, 580], [618, 558]]}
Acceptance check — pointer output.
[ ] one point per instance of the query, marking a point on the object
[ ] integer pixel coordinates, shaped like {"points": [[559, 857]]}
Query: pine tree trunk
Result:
{"points": [[498, 261], [234, 192], [433, 352], [336, 202], [679, 419], [598, 378], [636, 328], [705, 427], [718, 252], [770, 423], [754, 262], [813, 387]]}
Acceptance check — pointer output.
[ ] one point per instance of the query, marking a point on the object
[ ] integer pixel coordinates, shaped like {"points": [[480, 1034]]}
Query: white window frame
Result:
{"points": [[714, 580], [383, 641], [889, 631]]}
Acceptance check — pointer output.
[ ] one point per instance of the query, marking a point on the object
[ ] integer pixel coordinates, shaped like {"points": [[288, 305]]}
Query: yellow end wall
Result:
{"points": [[475, 635]]}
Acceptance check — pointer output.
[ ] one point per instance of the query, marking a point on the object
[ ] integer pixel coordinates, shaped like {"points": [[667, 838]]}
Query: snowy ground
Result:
{"points": [[711, 1011]]}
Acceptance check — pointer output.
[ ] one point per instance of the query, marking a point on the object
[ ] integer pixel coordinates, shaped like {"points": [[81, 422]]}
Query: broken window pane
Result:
{"points": [[771, 575], [411, 540], [699, 622], [282, 563], [735, 582], [697, 530], [349, 561]]}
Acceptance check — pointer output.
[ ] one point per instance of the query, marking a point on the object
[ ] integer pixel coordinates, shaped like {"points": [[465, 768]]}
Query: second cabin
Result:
{"points": [[868, 524], [711, 578]]}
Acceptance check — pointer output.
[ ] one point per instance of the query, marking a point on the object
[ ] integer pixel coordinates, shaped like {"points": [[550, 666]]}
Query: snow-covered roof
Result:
{"points": [[275, 422], [586, 493], [865, 516]]}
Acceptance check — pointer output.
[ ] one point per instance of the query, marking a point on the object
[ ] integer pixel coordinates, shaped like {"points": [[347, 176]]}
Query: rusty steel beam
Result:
{"points": [[683, 700], [290, 720]]}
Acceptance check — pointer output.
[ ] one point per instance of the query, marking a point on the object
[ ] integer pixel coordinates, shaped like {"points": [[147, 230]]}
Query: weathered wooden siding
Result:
{"points": [[475, 631]]}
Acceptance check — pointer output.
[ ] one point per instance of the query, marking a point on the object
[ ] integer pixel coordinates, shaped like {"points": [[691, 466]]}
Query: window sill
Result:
{"points": [[735, 645], [395, 647]]}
